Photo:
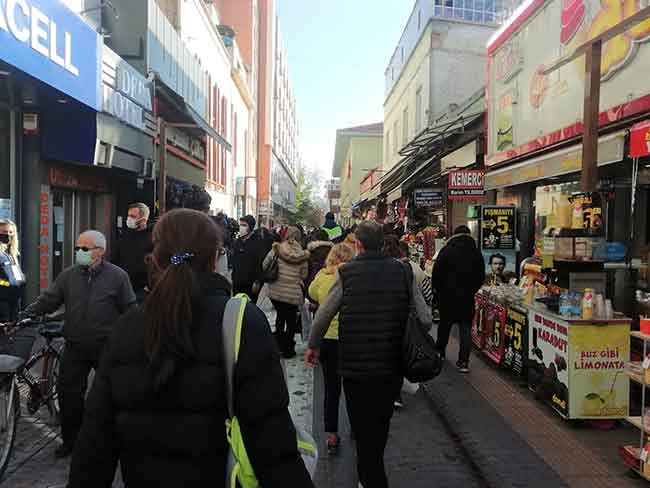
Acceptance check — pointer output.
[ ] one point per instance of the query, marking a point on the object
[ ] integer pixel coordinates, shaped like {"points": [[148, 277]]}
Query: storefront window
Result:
{"points": [[552, 209], [5, 170]]}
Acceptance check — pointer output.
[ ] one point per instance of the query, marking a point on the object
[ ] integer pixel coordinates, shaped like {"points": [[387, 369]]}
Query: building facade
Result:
{"points": [[438, 63], [278, 155], [358, 151]]}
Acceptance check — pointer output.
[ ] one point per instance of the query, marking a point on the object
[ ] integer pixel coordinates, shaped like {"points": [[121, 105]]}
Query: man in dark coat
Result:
{"points": [[133, 247], [249, 252], [459, 272], [371, 296]]}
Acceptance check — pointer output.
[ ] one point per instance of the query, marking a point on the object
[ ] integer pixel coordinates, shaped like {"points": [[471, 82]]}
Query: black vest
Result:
{"points": [[372, 317]]}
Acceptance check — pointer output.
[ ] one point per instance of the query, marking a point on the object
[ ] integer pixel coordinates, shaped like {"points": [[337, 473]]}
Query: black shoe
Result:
{"points": [[63, 451], [463, 367]]}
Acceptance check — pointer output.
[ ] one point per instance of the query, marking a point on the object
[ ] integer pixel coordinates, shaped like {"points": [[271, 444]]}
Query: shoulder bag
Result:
{"points": [[421, 360], [271, 271], [239, 470]]}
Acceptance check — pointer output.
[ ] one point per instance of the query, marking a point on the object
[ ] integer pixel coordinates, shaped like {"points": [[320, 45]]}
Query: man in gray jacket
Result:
{"points": [[95, 293]]}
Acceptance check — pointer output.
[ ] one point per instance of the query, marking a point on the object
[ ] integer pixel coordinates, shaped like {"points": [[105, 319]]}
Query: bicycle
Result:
{"points": [[14, 370]]}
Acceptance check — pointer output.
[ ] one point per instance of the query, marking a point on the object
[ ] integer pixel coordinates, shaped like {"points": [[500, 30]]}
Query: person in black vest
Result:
{"points": [[458, 274], [134, 246], [371, 297]]}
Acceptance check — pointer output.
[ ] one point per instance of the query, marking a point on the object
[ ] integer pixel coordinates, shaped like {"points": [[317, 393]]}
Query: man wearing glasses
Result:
{"points": [[95, 293]]}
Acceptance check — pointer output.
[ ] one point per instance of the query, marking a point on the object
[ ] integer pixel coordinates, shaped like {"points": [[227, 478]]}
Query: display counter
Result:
{"points": [[577, 366]]}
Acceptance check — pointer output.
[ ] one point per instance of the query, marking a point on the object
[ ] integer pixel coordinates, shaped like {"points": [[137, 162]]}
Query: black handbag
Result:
{"points": [[421, 360], [271, 271]]}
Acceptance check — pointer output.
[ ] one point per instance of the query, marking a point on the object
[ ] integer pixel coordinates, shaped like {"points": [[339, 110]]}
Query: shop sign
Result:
{"points": [[549, 107], [190, 145], [466, 184], [51, 43], [68, 178], [516, 340], [429, 197], [44, 238], [640, 140], [127, 95], [599, 388], [548, 360], [498, 228]]}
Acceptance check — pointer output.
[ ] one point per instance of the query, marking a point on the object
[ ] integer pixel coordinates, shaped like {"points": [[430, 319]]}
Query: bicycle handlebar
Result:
{"points": [[27, 322]]}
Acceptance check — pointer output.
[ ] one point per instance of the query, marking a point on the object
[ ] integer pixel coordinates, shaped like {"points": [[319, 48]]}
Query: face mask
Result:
{"points": [[131, 223], [243, 230], [84, 258], [4, 239]]}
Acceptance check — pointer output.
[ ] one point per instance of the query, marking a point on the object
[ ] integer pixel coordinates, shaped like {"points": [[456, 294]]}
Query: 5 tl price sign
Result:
{"points": [[498, 228]]}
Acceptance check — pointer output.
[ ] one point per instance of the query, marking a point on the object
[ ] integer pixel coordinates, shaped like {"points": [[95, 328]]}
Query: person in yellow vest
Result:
{"points": [[334, 231], [329, 358]]}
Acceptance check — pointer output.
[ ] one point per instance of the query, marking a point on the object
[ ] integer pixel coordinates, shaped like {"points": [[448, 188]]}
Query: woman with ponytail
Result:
{"points": [[158, 402]]}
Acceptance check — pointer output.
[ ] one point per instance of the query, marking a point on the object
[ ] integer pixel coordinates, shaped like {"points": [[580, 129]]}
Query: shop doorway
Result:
{"points": [[72, 213]]}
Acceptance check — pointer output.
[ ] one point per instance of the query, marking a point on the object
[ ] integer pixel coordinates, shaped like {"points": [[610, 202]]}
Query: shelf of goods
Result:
{"points": [[637, 457]]}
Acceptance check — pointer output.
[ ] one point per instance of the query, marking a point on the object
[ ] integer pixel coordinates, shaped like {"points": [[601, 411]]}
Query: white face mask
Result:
{"points": [[131, 223], [243, 230]]}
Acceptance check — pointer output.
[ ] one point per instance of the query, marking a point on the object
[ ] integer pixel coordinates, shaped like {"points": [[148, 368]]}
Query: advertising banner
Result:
{"points": [[599, 387], [640, 140], [478, 336], [466, 184], [498, 228], [548, 365], [495, 325], [516, 339]]}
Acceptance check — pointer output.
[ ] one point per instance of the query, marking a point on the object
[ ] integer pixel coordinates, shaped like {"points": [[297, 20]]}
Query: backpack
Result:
{"points": [[12, 270], [239, 468]]}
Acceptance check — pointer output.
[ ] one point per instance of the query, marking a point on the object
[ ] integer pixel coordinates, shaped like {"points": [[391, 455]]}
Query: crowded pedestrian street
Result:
{"points": [[324, 244]]}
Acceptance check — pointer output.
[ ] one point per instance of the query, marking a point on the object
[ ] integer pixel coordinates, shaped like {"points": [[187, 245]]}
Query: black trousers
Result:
{"points": [[329, 360], [464, 333], [286, 324], [370, 407], [76, 365]]}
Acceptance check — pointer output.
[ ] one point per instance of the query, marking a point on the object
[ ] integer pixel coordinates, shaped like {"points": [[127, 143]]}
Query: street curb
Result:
{"points": [[501, 456]]}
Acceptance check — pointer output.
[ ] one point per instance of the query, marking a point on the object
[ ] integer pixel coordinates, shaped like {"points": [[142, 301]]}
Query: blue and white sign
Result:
{"points": [[48, 41]]}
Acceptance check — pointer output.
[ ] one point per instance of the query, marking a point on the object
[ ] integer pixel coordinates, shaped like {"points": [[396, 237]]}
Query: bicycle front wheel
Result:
{"points": [[53, 383], [9, 413]]}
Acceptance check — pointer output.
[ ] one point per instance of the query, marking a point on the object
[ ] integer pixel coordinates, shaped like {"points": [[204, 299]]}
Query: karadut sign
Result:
{"points": [[48, 41]]}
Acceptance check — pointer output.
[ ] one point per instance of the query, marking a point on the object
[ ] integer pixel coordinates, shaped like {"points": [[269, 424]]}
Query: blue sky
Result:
{"points": [[338, 51]]}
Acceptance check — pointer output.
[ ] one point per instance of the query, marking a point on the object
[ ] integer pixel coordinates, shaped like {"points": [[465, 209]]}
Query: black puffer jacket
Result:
{"points": [[177, 437], [372, 317], [247, 257], [458, 274], [130, 252]]}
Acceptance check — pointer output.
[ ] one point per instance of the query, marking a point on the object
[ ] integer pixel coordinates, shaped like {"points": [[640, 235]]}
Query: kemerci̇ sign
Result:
{"points": [[48, 41], [466, 184]]}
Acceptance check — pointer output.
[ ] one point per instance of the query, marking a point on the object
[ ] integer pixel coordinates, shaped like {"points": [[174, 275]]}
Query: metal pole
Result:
{"points": [[589, 177], [162, 162]]}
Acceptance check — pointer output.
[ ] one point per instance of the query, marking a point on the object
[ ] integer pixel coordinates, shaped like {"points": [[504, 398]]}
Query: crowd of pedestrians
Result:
{"points": [[148, 322]]}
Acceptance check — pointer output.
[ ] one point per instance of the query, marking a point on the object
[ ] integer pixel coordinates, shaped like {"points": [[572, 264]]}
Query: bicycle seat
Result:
{"points": [[51, 331], [10, 364]]}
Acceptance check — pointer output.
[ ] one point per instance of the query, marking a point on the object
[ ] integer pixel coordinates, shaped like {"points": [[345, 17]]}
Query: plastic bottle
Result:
{"points": [[588, 304]]}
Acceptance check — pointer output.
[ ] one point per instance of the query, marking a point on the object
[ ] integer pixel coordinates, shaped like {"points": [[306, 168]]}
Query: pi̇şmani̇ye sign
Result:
{"points": [[640, 140], [498, 228], [468, 184]]}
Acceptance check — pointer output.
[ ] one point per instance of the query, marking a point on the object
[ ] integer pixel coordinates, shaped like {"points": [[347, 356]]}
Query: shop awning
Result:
{"points": [[558, 163], [396, 194], [182, 115]]}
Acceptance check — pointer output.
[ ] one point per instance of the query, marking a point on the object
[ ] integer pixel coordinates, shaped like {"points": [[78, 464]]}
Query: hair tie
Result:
{"points": [[181, 258]]}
